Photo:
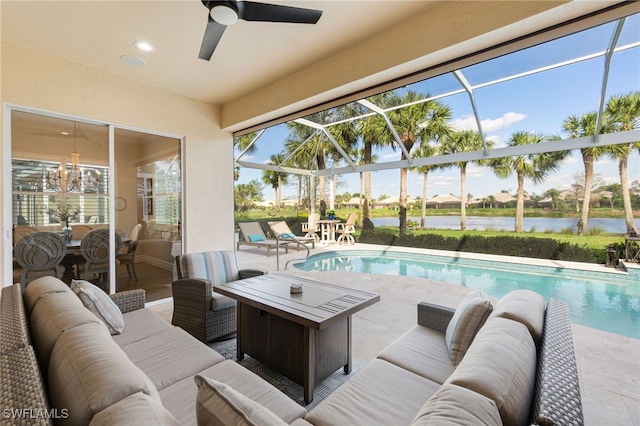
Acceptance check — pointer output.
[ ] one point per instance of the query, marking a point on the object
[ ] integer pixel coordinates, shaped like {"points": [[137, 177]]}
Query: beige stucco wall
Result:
{"points": [[34, 79], [445, 32]]}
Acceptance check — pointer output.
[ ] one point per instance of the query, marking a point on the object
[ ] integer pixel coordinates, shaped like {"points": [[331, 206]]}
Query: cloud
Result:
{"points": [[468, 122]]}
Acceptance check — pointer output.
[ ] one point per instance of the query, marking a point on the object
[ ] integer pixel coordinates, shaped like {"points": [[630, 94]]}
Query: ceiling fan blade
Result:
{"points": [[212, 36], [253, 11]]}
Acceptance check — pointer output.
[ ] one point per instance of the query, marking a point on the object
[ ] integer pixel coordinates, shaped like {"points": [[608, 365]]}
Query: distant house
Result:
{"points": [[444, 202], [353, 203], [391, 203]]}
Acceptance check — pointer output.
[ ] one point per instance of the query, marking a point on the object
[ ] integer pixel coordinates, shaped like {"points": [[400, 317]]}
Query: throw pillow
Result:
{"points": [[468, 318], [256, 237], [98, 302], [220, 404]]}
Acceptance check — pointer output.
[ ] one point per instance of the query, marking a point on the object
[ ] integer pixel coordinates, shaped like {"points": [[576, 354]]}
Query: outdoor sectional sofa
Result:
{"points": [[515, 365], [60, 364]]}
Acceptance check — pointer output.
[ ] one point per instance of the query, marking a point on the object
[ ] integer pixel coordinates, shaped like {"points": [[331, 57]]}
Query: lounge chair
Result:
{"points": [[253, 235], [282, 230]]}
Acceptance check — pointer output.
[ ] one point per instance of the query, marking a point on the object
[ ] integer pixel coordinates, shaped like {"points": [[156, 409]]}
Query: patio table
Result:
{"points": [[328, 230]]}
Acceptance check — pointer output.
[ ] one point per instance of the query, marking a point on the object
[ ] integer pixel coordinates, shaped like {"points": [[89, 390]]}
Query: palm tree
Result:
{"points": [[419, 121], [242, 142], [345, 134], [375, 134], [276, 179], [576, 127], [423, 151], [532, 166], [624, 112], [457, 142], [556, 202]]}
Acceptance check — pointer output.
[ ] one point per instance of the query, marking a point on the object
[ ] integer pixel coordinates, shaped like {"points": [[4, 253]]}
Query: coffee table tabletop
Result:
{"points": [[318, 306]]}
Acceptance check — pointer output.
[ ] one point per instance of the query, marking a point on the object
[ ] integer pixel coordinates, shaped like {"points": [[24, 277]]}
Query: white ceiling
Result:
{"points": [[250, 54]]}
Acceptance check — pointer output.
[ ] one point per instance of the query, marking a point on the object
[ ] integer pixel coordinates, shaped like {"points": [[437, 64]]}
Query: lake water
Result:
{"points": [[540, 224]]}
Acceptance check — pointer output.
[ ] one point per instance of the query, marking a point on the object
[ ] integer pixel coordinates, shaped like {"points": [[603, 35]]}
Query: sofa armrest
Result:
{"points": [[248, 273], [130, 300], [436, 317], [557, 397]]}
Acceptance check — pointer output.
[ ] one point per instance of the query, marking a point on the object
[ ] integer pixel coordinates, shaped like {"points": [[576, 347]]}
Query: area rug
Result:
{"points": [[227, 348]]}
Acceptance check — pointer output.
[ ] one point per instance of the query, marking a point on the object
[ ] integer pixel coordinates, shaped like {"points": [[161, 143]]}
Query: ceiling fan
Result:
{"points": [[225, 13]]}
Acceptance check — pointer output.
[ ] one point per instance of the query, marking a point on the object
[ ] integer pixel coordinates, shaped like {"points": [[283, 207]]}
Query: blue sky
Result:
{"points": [[536, 103]]}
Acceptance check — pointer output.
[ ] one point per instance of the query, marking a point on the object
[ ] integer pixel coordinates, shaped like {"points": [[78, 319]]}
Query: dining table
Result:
{"points": [[328, 230]]}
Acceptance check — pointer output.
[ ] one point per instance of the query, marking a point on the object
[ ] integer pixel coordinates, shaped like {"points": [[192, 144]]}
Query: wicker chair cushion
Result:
{"points": [[98, 302], [470, 315], [219, 267], [219, 404]]}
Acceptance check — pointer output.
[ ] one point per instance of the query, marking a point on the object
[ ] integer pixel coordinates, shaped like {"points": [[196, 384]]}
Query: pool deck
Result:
{"points": [[608, 364]]}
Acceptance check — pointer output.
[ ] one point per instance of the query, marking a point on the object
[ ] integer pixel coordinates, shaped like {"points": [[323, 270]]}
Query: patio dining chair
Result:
{"points": [[281, 230], [311, 227], [346, 230], [40, 254]]}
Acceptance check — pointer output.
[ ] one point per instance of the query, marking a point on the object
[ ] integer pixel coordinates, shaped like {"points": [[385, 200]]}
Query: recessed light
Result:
{"points": [[64, 133], [143, 45], [134, 61]]}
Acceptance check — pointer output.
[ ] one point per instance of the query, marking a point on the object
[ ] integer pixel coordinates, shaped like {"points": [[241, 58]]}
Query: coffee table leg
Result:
{"points": [[348, 365], [239, 353], [308, 364]]}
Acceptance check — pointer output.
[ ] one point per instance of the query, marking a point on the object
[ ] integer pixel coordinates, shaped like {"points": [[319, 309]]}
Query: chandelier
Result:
{"points": [[74, 179]]}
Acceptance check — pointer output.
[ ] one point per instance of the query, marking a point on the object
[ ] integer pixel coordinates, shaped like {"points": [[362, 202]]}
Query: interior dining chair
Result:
{"points": [[20, 231], [346, 230], [39, 254], [79, 231], [128, 257], [95, 250]]}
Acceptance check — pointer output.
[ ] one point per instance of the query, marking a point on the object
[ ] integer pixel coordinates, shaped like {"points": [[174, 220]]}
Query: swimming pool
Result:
{"points": [[601, 300]]}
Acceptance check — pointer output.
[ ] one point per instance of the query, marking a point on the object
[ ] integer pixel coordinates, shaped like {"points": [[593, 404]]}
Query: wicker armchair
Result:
{"points": [[197, 309]]}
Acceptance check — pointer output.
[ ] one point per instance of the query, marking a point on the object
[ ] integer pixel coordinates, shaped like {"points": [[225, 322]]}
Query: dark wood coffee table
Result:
{"points": [[305, 336]]}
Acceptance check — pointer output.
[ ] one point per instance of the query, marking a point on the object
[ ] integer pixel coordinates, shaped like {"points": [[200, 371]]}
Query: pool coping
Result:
{"points": [[631, 268]]}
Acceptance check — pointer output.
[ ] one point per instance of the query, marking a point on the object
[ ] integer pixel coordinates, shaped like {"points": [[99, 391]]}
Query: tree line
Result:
{"points": [[422, 125]]}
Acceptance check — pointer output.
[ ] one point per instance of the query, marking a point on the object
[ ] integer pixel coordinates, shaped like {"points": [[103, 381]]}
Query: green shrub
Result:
{"points": [[542, 248], [566, 230], [595, 231]]}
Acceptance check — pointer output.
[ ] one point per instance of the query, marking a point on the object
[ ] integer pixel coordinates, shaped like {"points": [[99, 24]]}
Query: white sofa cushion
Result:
{"points": [[455, 405], [501, 365], [98, 302], [138, 409], [524, 306], [380, 394], [219, 405], [422, 351], [470, 315], [88, 372]]}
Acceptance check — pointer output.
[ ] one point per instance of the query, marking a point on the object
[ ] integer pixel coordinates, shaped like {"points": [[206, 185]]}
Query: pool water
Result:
{"points": [[601, 300]]}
